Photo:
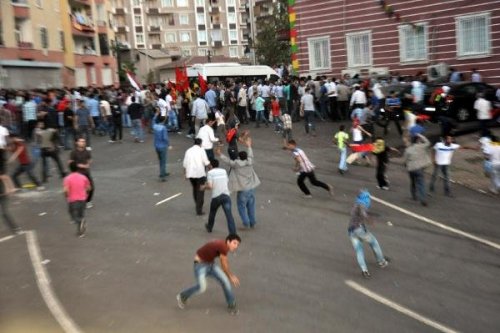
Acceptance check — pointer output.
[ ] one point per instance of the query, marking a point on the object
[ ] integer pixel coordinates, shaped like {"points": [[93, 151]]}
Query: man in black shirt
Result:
{"points": [[135, 111], [82, 157]]}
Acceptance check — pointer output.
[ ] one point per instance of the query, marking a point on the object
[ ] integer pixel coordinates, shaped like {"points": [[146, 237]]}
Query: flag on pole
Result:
{"points": [[203, 84], [181, 79], [133, 81]]}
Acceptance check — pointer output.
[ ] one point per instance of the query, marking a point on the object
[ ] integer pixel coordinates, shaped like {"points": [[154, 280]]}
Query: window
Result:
{"points": [[170, 19], [167, 3], [137, 19], [473, 35], [136, 3], [185, 36], [182, 3], [230, 2], [202, 36], [231, 17], [170, 37], [319, 53], [202, 52], [186, 52], [183, 19], [233, 52], [200, 18], [412, 43], [200, 3], [62, 40], [44, 38], [139, 38], [359, 49], [233, 35]]}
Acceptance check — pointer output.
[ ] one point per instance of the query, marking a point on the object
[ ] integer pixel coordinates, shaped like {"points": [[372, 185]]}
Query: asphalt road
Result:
{"points": [[294, 267]]}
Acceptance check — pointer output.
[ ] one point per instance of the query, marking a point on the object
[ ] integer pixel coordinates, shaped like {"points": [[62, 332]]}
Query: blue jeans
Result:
{"points": [[173, 124], [360, 235], [137, 128], [309, 121], [246, 207], [201, 271], [223, 200], [162, 158], [260, 116], [343, 156], [446, 177], [417, 185], [125, 117]]}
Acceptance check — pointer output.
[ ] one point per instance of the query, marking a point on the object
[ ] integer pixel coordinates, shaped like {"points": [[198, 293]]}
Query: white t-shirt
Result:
{"points": [[218, 179], [308, 101], [206, 134], [162, 104], [444, 153], [357, 135], [483, 108], [195, 161], [4, 133]]}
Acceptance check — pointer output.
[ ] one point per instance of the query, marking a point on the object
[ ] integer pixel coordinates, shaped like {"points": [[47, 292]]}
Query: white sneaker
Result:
{"points": [[89, 205]]}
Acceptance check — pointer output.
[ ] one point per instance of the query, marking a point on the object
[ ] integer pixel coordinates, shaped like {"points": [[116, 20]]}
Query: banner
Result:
{"points": [[203, 84]]}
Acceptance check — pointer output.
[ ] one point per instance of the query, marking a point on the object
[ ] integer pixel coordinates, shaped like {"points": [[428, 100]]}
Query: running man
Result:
{"points": [[204, 265]]}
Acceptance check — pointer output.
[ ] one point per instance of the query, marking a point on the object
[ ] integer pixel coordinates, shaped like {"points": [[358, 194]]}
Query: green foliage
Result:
{"points": [[268, 48], [126, 66]]}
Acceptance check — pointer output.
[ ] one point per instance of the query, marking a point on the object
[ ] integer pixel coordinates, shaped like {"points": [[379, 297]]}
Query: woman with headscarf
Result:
{"points": [[359, 234], [381, 152]]}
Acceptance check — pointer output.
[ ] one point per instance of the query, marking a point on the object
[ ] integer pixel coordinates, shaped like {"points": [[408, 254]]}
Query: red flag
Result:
{"points": [[181, 79], [203, 84], [133, 81]]}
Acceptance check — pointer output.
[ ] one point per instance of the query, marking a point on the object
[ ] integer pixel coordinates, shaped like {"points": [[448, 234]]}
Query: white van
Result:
{"points": [[221, 71]]}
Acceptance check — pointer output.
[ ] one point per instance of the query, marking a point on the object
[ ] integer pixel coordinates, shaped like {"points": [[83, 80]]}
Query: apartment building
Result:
{"points": [[55, 43], [398, 36], [178, 28], [31, 49]]}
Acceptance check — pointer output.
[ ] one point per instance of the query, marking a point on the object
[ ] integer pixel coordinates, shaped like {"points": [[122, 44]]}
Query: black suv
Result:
{"points": [[461, 97]]}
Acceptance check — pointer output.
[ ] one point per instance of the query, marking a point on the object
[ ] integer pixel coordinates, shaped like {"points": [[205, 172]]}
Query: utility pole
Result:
{"points": [[252, 30]]}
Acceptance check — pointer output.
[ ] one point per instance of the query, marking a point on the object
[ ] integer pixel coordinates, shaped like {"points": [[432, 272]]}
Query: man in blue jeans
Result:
{"points": [[204, 265], [161, 144], [217, 181], [417, 158], [359, 234], [243, 180]]}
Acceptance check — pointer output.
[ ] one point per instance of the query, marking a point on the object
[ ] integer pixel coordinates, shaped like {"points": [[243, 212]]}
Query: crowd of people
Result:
{"points": [[36, 125]]}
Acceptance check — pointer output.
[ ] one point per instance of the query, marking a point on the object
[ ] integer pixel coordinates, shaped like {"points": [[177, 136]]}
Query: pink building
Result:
{"points": [[399, 36]]}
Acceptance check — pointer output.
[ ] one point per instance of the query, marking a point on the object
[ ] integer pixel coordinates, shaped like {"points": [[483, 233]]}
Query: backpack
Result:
{"points": [[231, 134]]}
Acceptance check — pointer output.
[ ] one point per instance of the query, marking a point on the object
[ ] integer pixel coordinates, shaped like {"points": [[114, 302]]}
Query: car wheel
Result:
{"points": [[463, 114]]}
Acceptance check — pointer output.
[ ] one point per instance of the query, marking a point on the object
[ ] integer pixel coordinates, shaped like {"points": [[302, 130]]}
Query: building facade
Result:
{"points": [[398, 37], [179, 28], [55, 43]]}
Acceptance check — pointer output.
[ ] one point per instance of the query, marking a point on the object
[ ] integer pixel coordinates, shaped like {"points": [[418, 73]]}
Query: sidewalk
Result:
{"points": [[467, 164]]}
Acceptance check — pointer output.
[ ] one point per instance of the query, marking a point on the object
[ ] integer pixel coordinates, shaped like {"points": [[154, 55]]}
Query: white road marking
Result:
{"points": [[43, 282], [6, 238], [438, 224], [167, 199], [400, 308]]}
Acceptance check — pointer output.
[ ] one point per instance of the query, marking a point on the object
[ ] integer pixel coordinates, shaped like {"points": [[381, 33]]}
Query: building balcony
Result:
{"points": [[121, 11], [87, 3], [214, 9], [121, 29], [21, 10], [102, 27], [156, 46], [165, 10], [82, 26], [123, 45], [87, 58], [153, 11], [25, 45], [155, 29], [217, 43]]}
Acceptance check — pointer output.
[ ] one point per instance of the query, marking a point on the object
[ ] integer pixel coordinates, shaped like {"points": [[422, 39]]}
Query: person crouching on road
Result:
{"points": [[204, 265], [359, 234]]}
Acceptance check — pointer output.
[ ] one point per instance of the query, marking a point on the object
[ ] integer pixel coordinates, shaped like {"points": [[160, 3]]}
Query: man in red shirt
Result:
{"points": [[76, 188], [204, 265], [19, 152]]}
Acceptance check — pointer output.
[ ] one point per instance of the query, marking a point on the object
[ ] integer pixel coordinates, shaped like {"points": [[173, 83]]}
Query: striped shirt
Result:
{"points": [[29, 111], [305, 164]]}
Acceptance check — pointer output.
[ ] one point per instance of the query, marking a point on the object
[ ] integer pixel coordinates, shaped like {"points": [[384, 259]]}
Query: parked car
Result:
{"points": [[461, 97]]}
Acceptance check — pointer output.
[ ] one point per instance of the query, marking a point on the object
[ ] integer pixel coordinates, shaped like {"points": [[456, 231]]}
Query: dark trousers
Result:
{"points": [[77, 211], [381, 179], [343, 109], [484, 126], [117, 131], [4, 202], [53, 154], [22, 168], [334, 111], [198, 194], [312, 179], [28, 127], [92, 187], [242, 114], [223, 200]]}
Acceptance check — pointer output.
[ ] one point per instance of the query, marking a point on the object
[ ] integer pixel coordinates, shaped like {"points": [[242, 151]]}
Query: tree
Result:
{"points": [[272, 45], [126, 66]]}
